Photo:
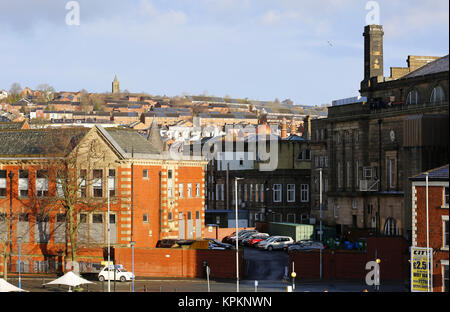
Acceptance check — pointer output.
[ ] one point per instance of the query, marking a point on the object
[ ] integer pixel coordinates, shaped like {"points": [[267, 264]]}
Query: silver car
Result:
{"points": [[275, 242], [306, 245]]}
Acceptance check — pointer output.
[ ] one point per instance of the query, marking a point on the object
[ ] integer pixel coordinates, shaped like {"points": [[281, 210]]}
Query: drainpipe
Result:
{"points": [[379, 175]]}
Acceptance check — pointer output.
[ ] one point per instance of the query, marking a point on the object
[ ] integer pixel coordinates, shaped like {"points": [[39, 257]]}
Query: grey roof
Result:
{"points": [[40, 142], [437, 174], [130, 141], [437, 66]]}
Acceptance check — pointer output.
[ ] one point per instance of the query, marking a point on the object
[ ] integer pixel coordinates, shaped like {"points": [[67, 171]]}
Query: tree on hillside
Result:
{"points": [[15, 89], [46, 92]]}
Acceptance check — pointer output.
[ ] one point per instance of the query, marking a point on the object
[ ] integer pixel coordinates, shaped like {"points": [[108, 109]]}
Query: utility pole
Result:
{"points": [[10, 176]]}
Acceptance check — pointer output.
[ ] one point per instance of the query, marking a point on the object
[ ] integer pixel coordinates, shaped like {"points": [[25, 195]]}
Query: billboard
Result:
{"points": [[421, 269]]}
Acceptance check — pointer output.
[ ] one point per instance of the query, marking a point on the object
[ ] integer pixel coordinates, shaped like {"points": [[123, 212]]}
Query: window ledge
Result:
{"points": [[444, 206], [444, 249]]}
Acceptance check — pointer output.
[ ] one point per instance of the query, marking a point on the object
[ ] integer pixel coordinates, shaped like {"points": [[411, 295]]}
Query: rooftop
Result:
{"points": [[437, 174]]}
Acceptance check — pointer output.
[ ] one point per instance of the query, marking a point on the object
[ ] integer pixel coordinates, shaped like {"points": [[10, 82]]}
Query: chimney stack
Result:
{"points": [[283, 129]]}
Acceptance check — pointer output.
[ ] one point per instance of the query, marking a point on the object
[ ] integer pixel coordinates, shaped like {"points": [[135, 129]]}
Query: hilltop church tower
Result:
{"points": [[116, 86]]}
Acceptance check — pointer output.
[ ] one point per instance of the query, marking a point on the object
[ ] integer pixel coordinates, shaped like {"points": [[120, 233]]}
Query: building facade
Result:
{"points": [[438, 229], [374, 143], [57, 185]]}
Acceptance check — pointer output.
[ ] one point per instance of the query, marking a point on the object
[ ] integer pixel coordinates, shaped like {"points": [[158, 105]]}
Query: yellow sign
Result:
{"points": [[421, 270]]}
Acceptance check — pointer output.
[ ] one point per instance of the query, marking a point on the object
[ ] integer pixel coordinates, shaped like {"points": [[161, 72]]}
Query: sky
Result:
{"points": [[309, 51]]}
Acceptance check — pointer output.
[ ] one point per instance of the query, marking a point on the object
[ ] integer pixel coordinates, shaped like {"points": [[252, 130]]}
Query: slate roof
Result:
{"points": [[11, 125], [437, 66], [40, 142], [437, 174], [131, 141]]}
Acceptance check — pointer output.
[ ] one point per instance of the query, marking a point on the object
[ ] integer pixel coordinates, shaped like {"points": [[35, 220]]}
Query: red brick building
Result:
{"points": [[151, 195], [438, 201]]}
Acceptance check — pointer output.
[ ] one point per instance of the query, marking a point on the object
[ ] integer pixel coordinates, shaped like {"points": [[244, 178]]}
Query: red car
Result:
{"points": [[260, 237]]}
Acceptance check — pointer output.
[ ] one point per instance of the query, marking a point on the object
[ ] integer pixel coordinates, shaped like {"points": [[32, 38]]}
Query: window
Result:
{"points": [[336, 210], [291, 193], [357, 173], [354, 203], [23, 183], [445, 277], [112, 182], [169, 216], [368, 173], [316, 184], [97, 218], [308, 154], [169, 174], [83, 218], [197, 189], [412, 98], [3, 183], [82, 182], [277, 193], [59, 188], [256, 192], [245, 192], [261, 189], [348, 175], [391, 173], [446, 196], [390, 227], [437, 95], [145, 218], [304, 193], [445, 232], [222, 192], [97, 183], [339, 174], [251, 193], [180, 190], [189, 215], [316, 161], [145, 173], [189, 190], [41, 183], [42, 229]]}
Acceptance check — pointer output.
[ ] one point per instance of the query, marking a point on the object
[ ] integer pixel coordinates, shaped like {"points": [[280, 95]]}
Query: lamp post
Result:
{"points": [[428, 235], [320, 213], [237, 236], [132, 243], [10, 176], [20, 246], [109, 243]]}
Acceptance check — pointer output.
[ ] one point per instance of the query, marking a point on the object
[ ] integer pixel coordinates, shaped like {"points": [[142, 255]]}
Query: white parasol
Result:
{"points": [[7, 287], [69, 279]]}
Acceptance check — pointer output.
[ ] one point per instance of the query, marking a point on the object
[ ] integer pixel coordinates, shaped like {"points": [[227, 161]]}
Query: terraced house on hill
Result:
{"points": [[55, 185]]}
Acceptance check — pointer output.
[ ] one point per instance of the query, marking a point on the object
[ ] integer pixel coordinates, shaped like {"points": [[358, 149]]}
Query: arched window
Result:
{"points": [[390, 227], [412, 98], [437, 95]]}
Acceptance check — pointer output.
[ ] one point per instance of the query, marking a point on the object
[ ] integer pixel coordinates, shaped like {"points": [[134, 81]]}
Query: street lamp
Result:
{"points": [[10, 176], [237, 236], [320, 217], [109, 242], [20, 246], [132, 243]]}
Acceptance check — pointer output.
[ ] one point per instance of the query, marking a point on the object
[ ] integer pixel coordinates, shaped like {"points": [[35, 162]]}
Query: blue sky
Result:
{"points": [[260, 49]]}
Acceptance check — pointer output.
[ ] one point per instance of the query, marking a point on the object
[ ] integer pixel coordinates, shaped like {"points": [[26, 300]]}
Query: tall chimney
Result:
{"points": [[293, 128], [283, 129], [373, 53]]}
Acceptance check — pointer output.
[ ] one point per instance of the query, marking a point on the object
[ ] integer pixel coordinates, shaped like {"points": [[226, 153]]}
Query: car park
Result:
{"points": [[241, 234], [275, 242], [245, 236], [306, 245], [117, 273]]}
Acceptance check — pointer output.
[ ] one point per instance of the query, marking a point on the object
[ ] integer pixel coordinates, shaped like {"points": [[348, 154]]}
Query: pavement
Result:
{"points": [[201, 285]]}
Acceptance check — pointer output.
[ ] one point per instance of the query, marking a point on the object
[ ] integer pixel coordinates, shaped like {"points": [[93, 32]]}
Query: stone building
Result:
{"points": [[372, 144], [278, 194]]}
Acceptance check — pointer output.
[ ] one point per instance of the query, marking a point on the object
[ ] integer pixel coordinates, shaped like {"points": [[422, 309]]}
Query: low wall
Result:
{"points": [[177, 262], [220, 233], [348, 264]]}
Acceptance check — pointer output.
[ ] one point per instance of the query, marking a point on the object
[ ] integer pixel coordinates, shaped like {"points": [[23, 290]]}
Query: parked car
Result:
{"points": [[255, 238], [245, 237], [275, 242], [306, 245], [218, 245], [232, 239], [173, 243], [120, 275]]}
